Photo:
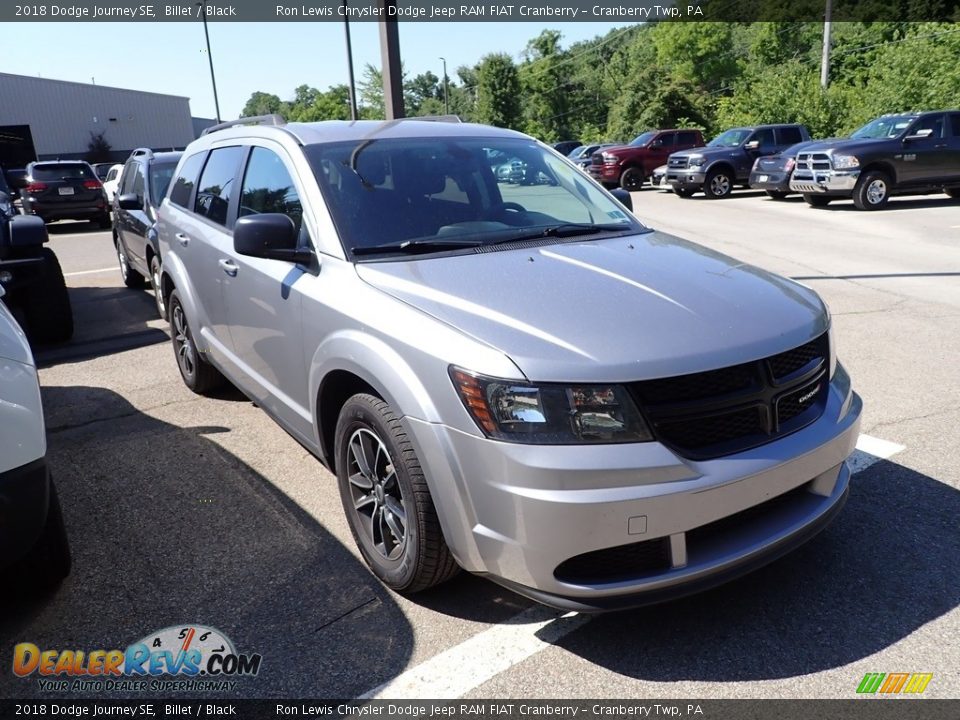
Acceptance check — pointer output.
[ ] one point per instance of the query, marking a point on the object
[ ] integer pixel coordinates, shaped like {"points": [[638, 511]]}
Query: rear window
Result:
{"points": [[183, 187], [687, 138], [64, 171]]}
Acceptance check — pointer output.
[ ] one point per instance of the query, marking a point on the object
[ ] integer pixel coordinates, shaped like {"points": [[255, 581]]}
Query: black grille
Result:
{"points": [[596, 159], [676, 163], [720, 412], [624, 562]]}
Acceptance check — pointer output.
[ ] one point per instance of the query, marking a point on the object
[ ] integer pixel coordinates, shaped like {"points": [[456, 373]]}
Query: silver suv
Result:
{"points": [[517, 379]]}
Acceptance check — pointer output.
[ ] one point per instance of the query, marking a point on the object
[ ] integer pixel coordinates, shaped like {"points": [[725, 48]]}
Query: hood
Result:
{"points": [[708, 152], [846, 144], [619, 309]]}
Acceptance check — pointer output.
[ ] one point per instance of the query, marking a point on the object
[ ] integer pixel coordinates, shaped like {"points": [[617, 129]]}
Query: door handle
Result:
{"points": [[182, 239], [229, 267]]}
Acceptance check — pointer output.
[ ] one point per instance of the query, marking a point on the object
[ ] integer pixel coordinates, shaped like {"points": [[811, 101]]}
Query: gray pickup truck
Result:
{"points": [[34, 288], [728, 158]]}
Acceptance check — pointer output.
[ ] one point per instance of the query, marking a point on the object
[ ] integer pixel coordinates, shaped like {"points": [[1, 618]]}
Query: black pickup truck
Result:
{"points": [[34, 288], [903, 154], [728, 158]]}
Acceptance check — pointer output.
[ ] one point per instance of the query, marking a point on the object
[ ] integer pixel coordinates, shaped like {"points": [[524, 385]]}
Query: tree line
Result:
{"points": [[708, 75]]}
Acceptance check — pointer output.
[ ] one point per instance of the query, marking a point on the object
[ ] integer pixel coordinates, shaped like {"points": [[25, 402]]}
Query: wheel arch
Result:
{"points": [[881, 166]]}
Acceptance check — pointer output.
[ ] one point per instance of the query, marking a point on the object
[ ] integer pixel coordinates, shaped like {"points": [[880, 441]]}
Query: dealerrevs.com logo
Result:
{"points": [[894, 683], [187, 657]]}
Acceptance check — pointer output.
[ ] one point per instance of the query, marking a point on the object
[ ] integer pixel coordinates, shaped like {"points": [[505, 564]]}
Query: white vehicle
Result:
{"points": [[111, 182], [32, 535]]}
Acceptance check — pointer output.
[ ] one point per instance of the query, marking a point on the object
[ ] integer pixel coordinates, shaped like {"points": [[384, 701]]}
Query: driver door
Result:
{"points": [[923, 160]]}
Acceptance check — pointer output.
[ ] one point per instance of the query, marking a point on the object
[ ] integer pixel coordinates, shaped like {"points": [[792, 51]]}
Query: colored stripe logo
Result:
{"points": [[894, 683]]}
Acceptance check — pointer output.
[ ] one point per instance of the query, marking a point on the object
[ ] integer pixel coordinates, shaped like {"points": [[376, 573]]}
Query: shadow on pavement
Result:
{"points": [[896, 203], [888, 565], [168, 528]]}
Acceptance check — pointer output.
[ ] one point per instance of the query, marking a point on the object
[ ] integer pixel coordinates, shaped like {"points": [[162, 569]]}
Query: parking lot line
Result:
{"points": [[871, 450], [454, 672], [89, 272]]}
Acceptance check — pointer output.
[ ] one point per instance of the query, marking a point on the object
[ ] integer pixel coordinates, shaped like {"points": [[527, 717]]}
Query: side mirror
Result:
{"points": [[624, 197], [920, 134], [269, 235], [129, 201], [752, 145]]}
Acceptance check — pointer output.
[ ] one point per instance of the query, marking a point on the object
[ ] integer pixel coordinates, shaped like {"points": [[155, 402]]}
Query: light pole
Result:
{"points": [[352, 87], [446, 103], [206, 33]]}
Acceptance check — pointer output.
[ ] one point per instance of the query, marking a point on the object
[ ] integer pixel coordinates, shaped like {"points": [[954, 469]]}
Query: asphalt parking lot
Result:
{"points": [[184, 509]]}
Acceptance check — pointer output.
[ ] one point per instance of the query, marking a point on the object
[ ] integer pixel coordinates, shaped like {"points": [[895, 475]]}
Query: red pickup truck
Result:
{"points": [[630, 165]]}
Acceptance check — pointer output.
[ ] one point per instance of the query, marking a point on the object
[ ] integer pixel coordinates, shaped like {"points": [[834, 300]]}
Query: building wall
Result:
{"points": [[62, 115]]}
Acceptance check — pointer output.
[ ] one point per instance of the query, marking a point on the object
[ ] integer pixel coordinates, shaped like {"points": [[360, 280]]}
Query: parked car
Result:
{"points": [[30, 275], [143, 185], [630, 165], [772, 172], [33, 540], [904, 154], [64, 190], [658, 179], [111, 182], [565, 147], [728, 159], [530, 385], [582, 157], [102, 169]]}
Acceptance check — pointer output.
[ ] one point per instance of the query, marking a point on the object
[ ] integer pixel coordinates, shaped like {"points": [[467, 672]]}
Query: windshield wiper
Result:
{"points": [[563, 231], [415, 247]]}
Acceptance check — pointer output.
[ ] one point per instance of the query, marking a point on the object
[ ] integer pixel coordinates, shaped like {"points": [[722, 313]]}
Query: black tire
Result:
{"points": [[407, 554], [131, 278], [953, 192], [104, 221], [872, 191], [47, 310], [157, 286], [48, 562], [718, 184], [197, 373], [684, 192], [632, 179], [817, 201], [777, 194]]}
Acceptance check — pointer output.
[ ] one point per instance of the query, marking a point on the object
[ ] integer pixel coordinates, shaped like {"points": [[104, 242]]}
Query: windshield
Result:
{"points": [[885, 127], [457, 192], [731, 138], [160, 176], [641, 140]]}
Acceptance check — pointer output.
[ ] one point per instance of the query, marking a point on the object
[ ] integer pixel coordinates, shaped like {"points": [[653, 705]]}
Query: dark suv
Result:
{"points": [[146, 176], [630, 165], [64, 190], [905, 154], [728, 158]]}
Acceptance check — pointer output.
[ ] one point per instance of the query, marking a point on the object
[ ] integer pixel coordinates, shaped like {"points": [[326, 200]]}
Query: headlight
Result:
{"points": [[788, 165], [697, 161], [550, 414], [608, 158], [842, 162]]}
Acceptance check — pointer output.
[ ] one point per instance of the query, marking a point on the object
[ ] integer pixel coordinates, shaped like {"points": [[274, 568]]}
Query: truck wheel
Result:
{"points": [[47, 308], [104, 221], [49, 561], [684, 192], [872, 191], [632, 179], [131, 278], [197, 373], [386, 499], [817, 201], [718, 184], [777, 194]]}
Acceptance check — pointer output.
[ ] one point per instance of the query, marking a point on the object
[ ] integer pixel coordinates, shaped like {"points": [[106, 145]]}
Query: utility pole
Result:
{"points": [[390, 57], [206, 34], [446, 102], [825, 60], [352, 87]]}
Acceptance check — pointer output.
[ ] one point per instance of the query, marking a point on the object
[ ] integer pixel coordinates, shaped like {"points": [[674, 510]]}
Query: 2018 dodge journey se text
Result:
{"points": [[519, 380]]}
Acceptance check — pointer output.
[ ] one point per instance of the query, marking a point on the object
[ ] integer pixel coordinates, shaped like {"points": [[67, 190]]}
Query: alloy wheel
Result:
{"points": [[181, 338], [376, 494]]}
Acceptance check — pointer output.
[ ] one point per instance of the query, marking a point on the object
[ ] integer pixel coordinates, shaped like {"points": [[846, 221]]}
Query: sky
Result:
{"points": [[272, 57]]}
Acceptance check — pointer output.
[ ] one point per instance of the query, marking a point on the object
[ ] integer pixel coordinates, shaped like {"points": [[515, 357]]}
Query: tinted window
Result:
{"points": [[687, 138], [160, 176], [129, 175], [790, 136], [215, 188], [138, 183], [955, 124], [74, 171], [268, 187], [183, 187], [666, 140], [765, 137], [933, 123]]}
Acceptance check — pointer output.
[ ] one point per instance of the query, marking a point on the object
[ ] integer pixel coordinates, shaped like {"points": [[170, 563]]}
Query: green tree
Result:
{"points": [[546, 89], [498, 91], [261, 103]]}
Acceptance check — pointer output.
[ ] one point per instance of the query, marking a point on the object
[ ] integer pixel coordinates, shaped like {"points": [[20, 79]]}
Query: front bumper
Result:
{"points": [[824, 182], [776, 181], [518, 513], [686, 177], [606, 174], [24, 503]]}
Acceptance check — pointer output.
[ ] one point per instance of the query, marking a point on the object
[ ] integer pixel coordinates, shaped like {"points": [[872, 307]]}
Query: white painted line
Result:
{"points": [[456, 671], [871, 450], [90, 272]]}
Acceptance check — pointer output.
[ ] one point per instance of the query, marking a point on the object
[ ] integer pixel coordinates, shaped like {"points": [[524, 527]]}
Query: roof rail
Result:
{"points": [[254, 120], [436, 118], [142, 151]]}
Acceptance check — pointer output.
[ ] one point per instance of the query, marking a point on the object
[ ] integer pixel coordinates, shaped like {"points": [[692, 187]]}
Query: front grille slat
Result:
{"points": [[720, 412]]}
